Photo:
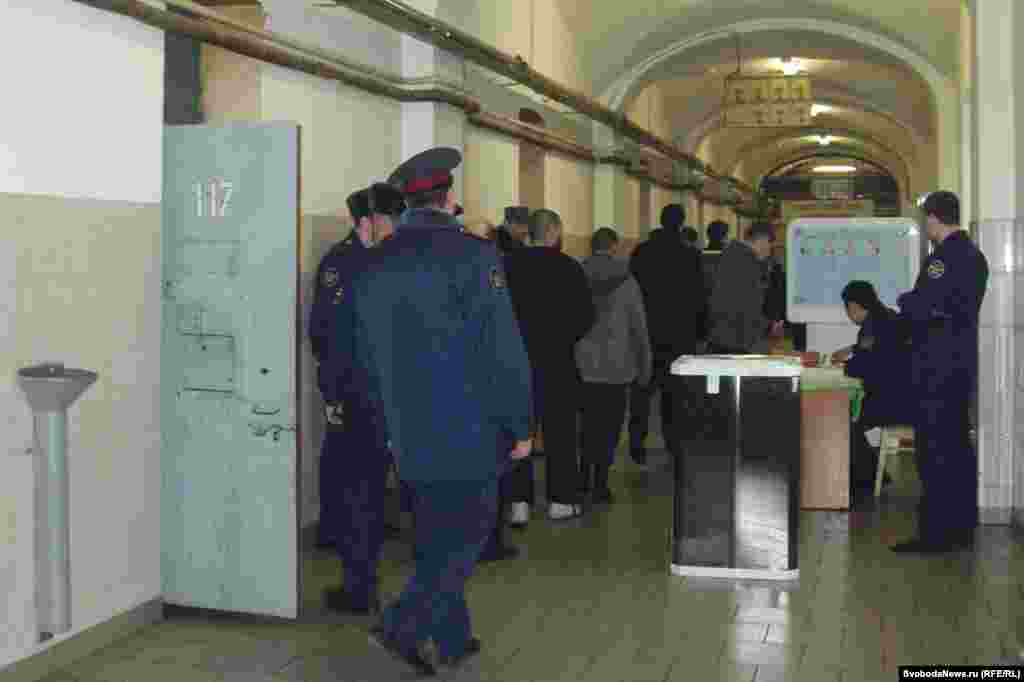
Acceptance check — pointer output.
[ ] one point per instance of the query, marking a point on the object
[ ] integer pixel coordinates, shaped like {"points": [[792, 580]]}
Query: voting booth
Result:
{"points": [[737, 473], [824, 254]]}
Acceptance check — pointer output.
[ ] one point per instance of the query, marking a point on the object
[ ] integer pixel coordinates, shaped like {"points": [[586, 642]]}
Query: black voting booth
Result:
{"points": [[737, 474]]}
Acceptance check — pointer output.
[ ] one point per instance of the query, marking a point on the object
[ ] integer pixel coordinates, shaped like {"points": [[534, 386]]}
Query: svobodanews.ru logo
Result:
{"points": [[965, 672]]}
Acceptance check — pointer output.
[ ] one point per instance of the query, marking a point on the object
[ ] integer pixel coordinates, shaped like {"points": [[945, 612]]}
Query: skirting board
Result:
{"points": [[996, 516], [734, 573], [87, 642], [1018, 519]]}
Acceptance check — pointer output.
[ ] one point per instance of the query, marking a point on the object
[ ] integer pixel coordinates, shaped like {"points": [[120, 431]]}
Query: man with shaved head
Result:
{"points": [[552, 300]]}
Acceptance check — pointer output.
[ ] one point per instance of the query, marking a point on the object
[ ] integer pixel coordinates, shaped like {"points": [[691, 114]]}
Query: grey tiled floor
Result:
{"points": [[592, 600]]}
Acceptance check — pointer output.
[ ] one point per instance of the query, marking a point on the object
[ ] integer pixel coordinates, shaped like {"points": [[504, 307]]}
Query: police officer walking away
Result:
{"points": [[943, 310], [435, 331], [354, 458]]}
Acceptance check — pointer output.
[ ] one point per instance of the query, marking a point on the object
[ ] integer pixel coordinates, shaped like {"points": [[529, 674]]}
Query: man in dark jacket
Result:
{"points": [[513, 233], [671, 279], [552, 301], [881, 359], [736, 319]]}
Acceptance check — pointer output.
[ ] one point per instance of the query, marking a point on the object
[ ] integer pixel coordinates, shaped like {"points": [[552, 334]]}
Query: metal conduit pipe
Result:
{"points": [[401, 17], [262, 49], [266, 45]]}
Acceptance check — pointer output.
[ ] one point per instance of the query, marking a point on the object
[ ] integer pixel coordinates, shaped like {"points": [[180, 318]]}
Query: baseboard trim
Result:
{"points": [[67, 652], [734, 573], [995, 516], [1017, 520]]}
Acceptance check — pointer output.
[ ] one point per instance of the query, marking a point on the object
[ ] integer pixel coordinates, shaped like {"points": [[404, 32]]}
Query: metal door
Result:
{"points": [[229, 506]]}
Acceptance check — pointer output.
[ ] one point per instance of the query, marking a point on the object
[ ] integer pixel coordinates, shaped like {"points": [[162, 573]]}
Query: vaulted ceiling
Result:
{"points": [[866, 59]]}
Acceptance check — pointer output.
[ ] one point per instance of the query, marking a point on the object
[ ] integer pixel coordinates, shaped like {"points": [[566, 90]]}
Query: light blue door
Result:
{"points": [[229, 506]]}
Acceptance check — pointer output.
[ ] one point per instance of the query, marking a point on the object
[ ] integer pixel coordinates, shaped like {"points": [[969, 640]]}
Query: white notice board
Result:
{"points": [[824, 254]]}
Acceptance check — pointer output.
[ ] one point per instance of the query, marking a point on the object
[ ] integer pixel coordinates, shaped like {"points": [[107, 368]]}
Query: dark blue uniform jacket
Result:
{"points": [[337, 378], [943, 309], [881, 360], [434, 329]]}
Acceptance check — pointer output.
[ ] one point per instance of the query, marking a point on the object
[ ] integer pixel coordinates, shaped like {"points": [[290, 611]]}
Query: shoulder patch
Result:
{"points": [[329, 278], [936, 269], [497, 278]]}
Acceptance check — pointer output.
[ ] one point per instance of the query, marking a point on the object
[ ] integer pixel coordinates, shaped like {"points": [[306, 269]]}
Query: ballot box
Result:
{"points": [[736, 427]]}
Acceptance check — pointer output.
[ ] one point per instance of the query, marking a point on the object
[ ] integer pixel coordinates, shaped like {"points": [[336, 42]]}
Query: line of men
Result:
{"points": [[428, 365]]}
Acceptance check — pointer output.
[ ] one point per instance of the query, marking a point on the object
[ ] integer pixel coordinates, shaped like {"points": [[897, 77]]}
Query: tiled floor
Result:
{"points": [[592, 600]]}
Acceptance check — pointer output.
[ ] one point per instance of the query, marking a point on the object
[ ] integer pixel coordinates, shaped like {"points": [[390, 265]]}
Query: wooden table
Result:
{"points": [[825, 438]]}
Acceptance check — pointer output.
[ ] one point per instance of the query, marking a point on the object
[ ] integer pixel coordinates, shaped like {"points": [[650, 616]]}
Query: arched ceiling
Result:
{"points": [[620, 35], [869, 101]]}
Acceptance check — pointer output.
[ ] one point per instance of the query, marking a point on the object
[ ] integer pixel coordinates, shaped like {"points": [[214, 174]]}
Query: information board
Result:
{"points": [[824, 254]]}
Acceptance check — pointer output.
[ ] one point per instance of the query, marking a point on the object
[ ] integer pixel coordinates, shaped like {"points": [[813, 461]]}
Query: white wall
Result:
{"points": [[491, 172], [569, 191], [80, 168], [110, 151]]}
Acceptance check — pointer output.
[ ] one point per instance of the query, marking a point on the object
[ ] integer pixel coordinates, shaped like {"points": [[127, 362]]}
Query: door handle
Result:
{"points": [[260, 430]]}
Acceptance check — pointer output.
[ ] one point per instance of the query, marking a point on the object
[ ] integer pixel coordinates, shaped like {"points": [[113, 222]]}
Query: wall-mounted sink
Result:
{"points": [[53, 387], [50, 389]]}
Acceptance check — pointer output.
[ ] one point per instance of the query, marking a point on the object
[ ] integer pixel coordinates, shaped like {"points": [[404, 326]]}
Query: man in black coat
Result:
{"points": [[671, 279], [552, 300]]}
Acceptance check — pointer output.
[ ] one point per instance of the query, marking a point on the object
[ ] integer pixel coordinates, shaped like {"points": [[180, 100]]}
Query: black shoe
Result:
{"points": [[473, 647], [508, 552], [922, 547], [341, 601], [603, 496], [414, 659]]}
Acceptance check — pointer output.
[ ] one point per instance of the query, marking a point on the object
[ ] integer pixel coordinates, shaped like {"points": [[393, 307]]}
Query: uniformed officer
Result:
{"points": [[434, 328], [943, 310], [354, 459]]}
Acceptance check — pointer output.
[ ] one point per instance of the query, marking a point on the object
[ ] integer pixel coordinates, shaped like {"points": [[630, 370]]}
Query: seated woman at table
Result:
{"points": [[880, 359]]}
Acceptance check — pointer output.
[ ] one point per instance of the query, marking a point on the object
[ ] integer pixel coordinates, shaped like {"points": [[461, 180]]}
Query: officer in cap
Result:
{"points": [[354, 459], [434, 329], [943, 309], [514, 232]]}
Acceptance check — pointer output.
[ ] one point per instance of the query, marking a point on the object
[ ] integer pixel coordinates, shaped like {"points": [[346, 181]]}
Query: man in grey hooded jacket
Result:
{"points": [[612, 356]]}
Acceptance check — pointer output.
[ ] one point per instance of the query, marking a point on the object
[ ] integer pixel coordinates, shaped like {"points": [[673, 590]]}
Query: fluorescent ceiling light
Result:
{"points": [[824, 140], [835, 169], [790, 66], [820, 109]]}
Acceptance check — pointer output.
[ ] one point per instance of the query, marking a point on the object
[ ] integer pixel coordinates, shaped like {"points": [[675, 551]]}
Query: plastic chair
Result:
{"points": [[896, 439]]}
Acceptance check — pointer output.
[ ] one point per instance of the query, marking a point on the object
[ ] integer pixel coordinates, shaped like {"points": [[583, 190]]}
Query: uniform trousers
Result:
{"points": [[948, 467], [355, 496], [453, 520], [556, 406], [640, 398]]}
